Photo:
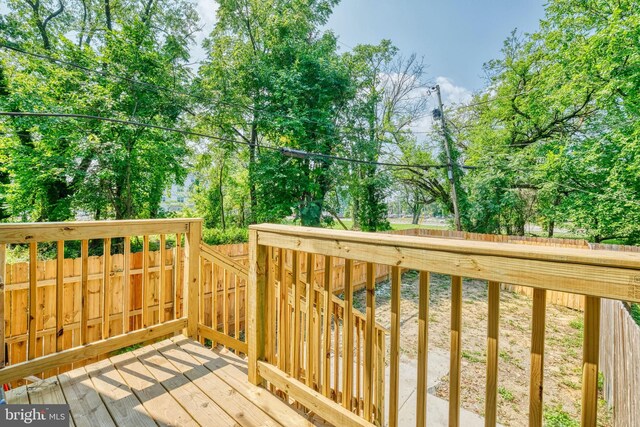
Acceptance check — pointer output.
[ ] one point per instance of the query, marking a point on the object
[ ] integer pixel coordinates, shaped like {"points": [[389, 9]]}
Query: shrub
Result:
{"points": [[215, 236]]}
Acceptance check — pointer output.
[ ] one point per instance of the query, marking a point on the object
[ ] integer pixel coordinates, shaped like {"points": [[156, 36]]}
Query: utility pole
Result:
{"points": [[450, 175]]}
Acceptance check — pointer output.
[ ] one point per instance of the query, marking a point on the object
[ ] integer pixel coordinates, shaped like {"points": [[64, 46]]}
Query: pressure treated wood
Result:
{"points": [[311, 399], [591, 351], [423, 349], [493, 332], [33, 281], [606, 274], [162, 294], [536, 387], [192, 277], [394, 351], [455, 353], [84, 230], [126, 289], [3, 255], [326, 318], [84, 283], [106, 289], [347, 337], [370, 342], [257, 294]]}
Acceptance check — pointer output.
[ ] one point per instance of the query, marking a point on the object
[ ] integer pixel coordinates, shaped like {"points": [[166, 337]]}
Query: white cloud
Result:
{"points": [[207, 10], [452, 94]]}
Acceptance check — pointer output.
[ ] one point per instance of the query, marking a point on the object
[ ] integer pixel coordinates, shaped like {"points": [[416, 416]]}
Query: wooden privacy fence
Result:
{"points": [[57, 313], [594, 274]]}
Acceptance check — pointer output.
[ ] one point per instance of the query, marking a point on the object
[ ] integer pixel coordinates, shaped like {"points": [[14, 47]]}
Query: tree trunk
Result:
{"points": [[253, 146]]}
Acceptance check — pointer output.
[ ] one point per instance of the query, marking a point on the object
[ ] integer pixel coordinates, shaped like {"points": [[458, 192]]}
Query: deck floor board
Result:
{"points": [[176, 382]]}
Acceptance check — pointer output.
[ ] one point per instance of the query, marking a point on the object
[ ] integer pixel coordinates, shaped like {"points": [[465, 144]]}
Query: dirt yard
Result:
{"points": [[563, 348]]}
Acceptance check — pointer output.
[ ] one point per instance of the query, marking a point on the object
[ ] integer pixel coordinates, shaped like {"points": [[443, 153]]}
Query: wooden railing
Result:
{"points": [[601, 274], [73, 315]]}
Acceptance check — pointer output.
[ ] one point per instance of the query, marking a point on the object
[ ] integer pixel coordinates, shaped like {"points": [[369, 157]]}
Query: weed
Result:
{"points": [[555, 416], [507, 395], [473, 356], [577, 324], [505, 356], [128, 349]]}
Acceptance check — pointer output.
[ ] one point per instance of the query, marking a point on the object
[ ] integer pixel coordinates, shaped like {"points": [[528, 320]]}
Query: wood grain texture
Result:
{"points": [[536, 384], [33, 281], [3, 257], [423, 349], [591, 350], [257, 294], [455, 353], [370, 342], [493, 332], [394, 351], [347, 337]]}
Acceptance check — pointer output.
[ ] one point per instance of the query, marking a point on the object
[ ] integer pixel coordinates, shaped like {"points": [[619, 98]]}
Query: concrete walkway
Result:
{"points": [[437, 409]]}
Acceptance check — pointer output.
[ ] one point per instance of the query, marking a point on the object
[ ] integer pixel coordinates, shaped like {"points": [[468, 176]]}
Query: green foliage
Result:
{"points": [[555, 416], [213, 236], [635, 312], [506, 394]]}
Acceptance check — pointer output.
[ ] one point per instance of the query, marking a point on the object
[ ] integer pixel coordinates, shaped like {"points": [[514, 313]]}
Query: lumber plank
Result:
{"points": [[370, 341], [311, 399], [85, 404], [242, 410], [493, 332], [122, 404], [3, 257], [126, 290], [162, 406], [591, 351], [84, 230], [162, 295], [84, 317], [96, 348], [455, 351], [106, 289], [192, 277], [59, 295], [48, 391], [537, 357], [347, 337], [204, 410], [33, 281], [256, 295], [607, 274], [423, 349], [18, 396], [234, 374], [394, 375]]}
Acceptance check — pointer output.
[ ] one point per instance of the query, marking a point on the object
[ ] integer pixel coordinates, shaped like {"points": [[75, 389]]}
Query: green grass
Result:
{"points": [[635, 312], [472, 356], [555, 416], [507, 395]]}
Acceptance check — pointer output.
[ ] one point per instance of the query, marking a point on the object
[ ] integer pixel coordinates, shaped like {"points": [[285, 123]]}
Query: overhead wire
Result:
{"points": [[283, 150]]}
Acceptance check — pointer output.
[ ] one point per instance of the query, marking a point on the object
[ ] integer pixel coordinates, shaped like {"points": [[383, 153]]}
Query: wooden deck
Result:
{"points": [[177, 382]]}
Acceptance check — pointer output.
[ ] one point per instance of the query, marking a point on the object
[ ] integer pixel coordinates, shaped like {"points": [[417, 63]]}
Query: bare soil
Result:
{"points": [[563, 348]]}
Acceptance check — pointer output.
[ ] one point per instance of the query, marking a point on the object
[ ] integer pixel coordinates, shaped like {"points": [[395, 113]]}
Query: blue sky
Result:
{"points": [[455, 36]]}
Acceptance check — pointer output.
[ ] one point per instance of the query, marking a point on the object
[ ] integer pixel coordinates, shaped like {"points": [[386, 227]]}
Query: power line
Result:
{"points": [[283, 150]]}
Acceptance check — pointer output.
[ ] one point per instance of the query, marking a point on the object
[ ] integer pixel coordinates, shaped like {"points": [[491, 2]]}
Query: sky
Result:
{"points": [[455, 37]]}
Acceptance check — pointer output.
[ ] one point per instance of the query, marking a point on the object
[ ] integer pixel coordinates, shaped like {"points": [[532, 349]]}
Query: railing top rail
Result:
{"points": [[81, 230], [268, 235]]}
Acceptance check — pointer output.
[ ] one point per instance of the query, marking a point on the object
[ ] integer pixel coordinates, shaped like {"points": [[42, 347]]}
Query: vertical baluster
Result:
{"points": [[145, 281], [311, 259], [126, 297], [59, 294], [33, 281], [537, 356], [201, 290], [162, 294], [336, 350], [283, 322], [347, 336], [326, 304], [493, 331], [258, 270], [236, 314], [225, 302], [359, 325], [297, 333], [591, 351], [3, 282], [214, 302], [394, 375], [177, 274], [84, 319], [369, 340], [456, 351], [423, 349], [106, 289], [317, 342], [380, 378]]}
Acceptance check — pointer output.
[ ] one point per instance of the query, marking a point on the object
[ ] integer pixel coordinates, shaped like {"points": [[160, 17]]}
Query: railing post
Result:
{"points": [[2, 284], [190, 295], [256, 303]]}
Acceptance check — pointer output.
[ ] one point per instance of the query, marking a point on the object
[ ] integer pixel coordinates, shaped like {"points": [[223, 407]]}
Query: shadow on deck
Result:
{"points": [[176, 382]]}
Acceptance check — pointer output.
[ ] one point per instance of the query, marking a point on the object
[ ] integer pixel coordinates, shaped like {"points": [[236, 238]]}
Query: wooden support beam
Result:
{"points": [[192, 277], [456, 351], [493, 332], [3, 281], [537, 357], [256, 299], [590, 354], [423, 349]]}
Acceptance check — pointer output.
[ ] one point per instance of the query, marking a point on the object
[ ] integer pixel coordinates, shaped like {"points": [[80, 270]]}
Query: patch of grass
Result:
{"points": [[572, 385], [472, 356], [128, 349], [505, 356], [577, 324], [555, 416], [635, 312], [507, 395]]}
